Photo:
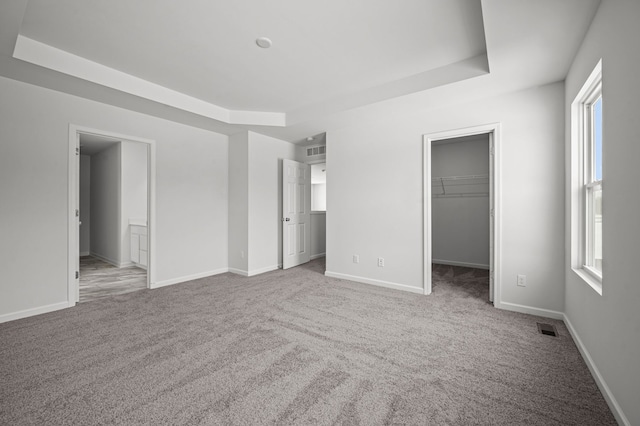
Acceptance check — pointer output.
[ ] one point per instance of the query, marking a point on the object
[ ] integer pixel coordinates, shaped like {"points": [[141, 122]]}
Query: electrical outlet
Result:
{"points": [[522, 280], [356, 258], [381, 262]]}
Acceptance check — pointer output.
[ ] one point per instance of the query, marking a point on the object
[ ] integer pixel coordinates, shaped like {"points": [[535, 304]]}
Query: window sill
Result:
{"points": [[592, 281]]}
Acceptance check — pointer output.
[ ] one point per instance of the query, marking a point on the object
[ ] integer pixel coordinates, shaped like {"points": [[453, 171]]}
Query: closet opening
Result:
{"points": [[460, 212]]}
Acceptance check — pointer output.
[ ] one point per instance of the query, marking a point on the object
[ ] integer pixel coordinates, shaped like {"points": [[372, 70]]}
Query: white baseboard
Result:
{"points": [[317, 256], [378, 283], [138, 265], [255, 271], [85, 253], [34, 311], [188, 278], [523, 309], [263, 270], [456, 263], [113, 262], [602, 385], [106, 259]]}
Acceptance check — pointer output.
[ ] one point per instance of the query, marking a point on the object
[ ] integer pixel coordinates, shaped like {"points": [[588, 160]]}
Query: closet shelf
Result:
{"points": [[461, 177], [460, 186]]}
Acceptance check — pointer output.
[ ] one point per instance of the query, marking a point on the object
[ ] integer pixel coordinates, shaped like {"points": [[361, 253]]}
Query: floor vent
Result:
{"points": [[548, 329]]}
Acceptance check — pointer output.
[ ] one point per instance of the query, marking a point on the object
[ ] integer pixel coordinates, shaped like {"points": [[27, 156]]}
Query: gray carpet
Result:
{"points": [[294, 347]]}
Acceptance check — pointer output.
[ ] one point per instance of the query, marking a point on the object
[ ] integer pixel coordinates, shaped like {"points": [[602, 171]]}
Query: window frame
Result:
{"points": [[585, 184]]}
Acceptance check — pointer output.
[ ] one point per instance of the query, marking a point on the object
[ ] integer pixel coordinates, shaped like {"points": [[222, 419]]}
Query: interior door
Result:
{"points": [[77, 220], [296, 212], [491, 220]]}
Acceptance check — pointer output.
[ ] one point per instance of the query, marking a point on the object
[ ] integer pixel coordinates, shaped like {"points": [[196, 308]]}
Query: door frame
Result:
{"points": [[494, 132], [73, 250]]}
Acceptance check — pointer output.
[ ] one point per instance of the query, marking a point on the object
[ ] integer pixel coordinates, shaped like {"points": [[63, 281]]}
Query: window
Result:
{"points": [[587, 181]]}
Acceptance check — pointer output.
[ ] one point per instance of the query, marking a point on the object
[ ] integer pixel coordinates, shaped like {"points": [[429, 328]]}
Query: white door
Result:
{"points": [[296, 213], [77, 220], [491, 219]]}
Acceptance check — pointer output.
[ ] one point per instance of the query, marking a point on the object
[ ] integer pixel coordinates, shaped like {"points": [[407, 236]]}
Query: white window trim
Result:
{"points": [[581, 179]]}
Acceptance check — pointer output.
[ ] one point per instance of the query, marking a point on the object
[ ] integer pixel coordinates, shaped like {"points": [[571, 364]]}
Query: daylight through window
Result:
{"points": [[587, 143]]}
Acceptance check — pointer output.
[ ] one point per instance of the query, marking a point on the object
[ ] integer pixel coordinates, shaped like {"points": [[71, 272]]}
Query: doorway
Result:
{"points": [[111, 209], [456, 183]]}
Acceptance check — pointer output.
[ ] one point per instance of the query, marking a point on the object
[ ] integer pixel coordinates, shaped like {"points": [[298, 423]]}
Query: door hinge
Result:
{"points": [[77, 275], [77, 151], [491, 213], [77, 213]]}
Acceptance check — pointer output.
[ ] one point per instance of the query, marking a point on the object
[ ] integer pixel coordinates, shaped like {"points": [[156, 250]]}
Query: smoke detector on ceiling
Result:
{"points": [[264, 42]]}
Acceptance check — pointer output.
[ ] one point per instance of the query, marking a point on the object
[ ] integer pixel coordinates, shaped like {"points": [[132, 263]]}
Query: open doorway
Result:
{"points": [[460, 215], [111, 208], [461, 224], [318, 210]]}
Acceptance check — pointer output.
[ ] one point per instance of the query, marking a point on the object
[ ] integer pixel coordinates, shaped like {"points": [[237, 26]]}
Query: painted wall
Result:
{"points": [[376, 203], [239, 202], [133, 192], [318, 234], [85, 205], [191, 195], [319, 197], [460, 225], [265, 200], [255, 201], [608, 326], [105, 205]]}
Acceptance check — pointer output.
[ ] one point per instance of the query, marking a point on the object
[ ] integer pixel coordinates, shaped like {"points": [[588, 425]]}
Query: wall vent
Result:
{"points": [[548, 329], [316, 150]]}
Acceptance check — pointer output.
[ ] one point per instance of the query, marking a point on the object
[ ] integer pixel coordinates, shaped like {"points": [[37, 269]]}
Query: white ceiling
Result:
{"points": [[207, 49], [196, 61]]}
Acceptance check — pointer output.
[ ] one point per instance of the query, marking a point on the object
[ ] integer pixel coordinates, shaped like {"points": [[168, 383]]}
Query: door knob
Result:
{"points": [[287, 219]]}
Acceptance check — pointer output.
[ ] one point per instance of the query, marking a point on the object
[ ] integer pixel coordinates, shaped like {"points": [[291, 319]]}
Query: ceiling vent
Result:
{"points": [[316, 150]]}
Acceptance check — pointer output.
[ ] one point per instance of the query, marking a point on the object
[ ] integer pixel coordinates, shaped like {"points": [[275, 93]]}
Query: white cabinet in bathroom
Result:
{"points": [[139, 245]]}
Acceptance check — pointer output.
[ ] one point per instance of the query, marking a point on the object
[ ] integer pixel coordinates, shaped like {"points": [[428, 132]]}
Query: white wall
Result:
{"points": [[460, 225], [133, 192], [85, 205], [255, 201], [608, 326], [105, 205], [376, 203], [191, 194], [319, 196], [239, 202], [318, 234], [265, 200]]}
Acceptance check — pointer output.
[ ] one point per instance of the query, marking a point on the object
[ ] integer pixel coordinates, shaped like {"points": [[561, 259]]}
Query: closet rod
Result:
{"points": [[461, 177], [461, 194]]}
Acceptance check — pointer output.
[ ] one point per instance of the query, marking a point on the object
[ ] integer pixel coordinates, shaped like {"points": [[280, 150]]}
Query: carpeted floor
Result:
{"points": [[294, 347]]}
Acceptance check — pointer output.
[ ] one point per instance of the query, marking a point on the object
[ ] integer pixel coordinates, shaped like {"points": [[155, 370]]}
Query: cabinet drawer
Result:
{"points": [[143, 242], [143, 257]]}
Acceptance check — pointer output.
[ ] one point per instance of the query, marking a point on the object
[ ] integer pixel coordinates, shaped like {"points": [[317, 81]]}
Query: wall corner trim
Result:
{"points": [[615, 408], [375, 282], [263, 270], [523, 309], [34, 311], [188, 278], [239, 272]]}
